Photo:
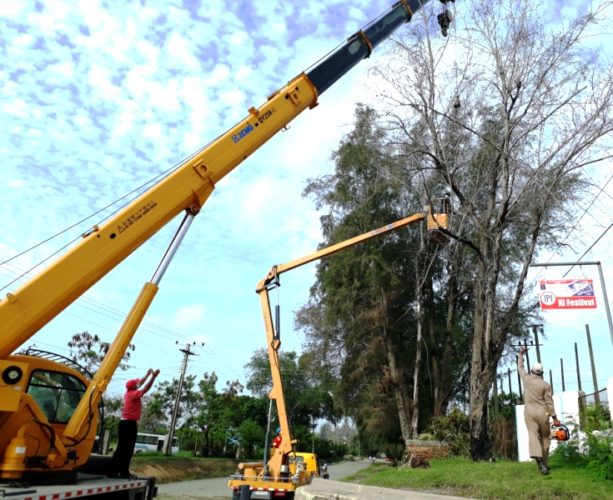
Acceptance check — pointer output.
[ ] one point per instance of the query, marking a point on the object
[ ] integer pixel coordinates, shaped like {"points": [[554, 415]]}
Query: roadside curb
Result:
{"points": [[325, 489]]}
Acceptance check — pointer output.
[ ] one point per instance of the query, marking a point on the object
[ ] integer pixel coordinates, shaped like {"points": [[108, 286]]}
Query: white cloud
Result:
{"points": [[16, 107], [16, 183], [121, 93], [180, 49], [189, 318], [65, 69], [220, 73]]}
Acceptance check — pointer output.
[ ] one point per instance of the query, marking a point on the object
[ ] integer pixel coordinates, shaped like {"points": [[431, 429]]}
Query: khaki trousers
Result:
{"points": [[539, 433]]}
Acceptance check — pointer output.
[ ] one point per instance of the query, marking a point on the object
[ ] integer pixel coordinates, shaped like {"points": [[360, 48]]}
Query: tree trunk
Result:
{"points": [[419, 298], [400, 395], [483, 365], [416, 369], [480, 443], [480, 383]]}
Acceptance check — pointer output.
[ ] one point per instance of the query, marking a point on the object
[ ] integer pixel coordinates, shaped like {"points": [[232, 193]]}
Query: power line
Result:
{"points": [[137, 191], [591, 246], [565, 238], [114, 314]]}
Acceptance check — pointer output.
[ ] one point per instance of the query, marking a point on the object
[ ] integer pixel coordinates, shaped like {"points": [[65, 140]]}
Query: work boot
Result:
{"points": [[541, 465]]}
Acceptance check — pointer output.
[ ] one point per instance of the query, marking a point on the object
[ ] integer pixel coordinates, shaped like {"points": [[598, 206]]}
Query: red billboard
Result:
{"points": [[567, 294]]}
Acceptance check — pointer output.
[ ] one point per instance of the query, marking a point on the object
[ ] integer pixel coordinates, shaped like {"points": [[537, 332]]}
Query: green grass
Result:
{"points": [[495, 480]]}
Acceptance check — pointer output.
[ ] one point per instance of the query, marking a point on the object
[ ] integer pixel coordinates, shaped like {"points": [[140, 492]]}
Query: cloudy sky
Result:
{"points": [[99, 97]]}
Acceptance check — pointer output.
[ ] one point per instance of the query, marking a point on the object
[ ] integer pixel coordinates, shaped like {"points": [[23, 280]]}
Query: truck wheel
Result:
{"points": [[245, 492], [235, 495]]}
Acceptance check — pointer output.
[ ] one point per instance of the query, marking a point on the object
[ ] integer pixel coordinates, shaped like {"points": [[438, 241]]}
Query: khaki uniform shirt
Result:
{"points": [[537, 392]]}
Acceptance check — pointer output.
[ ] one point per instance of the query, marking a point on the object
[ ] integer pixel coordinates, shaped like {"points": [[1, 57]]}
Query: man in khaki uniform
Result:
{"points": [[537, 411]]}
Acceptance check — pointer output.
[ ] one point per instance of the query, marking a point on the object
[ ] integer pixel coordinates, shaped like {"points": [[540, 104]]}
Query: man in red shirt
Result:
{"points": [[128, 425], [276, 442]]}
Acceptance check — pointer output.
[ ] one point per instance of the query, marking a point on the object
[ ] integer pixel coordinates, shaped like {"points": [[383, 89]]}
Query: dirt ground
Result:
{"points": [[168, 471]]}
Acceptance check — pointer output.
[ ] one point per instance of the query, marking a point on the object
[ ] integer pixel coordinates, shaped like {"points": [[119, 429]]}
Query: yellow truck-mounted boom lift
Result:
{"points": [[281, 475], [35, 436]]}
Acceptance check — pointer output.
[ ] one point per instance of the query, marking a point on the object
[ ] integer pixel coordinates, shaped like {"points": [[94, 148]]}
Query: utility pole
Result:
{"points": [[313, 435], [551, 381], [578, 370], [509, 378], [521, 397], [186, 354], [594, 379], [535, 331], [527, 357]]}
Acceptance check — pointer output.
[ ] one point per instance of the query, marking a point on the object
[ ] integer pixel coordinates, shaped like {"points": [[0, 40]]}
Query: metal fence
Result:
{"points": [[596, 398]]}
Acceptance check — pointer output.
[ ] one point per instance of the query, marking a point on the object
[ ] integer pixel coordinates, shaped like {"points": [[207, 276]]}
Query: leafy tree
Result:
{"points": [[89, 350], [154, 416], [304, 398], [365, 316], [252, 437], [508, 120], [358, 288], [204, 415], [112, 415]]}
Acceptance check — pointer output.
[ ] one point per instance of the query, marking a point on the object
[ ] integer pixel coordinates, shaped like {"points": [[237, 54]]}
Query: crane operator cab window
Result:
{"points": [[57, 394]]}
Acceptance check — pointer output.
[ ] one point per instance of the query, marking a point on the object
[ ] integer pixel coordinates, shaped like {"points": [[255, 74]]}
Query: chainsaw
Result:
{"points": [[561, 432]]}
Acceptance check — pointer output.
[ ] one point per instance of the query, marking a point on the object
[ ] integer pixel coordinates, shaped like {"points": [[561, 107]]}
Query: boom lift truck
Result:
{"points": [[286, 470], [48, 410]]}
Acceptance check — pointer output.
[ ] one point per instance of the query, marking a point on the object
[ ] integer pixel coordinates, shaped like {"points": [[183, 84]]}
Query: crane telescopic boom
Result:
{"points": [[36, 437]]}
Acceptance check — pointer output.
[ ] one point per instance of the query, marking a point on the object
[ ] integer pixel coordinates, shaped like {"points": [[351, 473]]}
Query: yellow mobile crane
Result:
{"points": [[286, 470], [49, 411]]}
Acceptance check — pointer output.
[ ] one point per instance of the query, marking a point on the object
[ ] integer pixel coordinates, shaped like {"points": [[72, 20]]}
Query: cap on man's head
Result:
{"points": [[132, 385], [537, 369]]}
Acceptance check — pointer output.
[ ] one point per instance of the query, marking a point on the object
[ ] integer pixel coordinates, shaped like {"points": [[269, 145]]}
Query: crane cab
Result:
{"points": [[37, 399]]}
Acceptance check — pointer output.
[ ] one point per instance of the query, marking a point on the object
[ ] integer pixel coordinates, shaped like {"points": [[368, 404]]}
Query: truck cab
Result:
{"points": [[300, 470], [305, 462]]}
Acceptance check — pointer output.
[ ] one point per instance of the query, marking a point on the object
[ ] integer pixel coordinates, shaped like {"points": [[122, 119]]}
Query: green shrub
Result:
{"points": [[600, 454], [595, 417], [569, 452], [452, 429], [426, 436], [596, 453], [394, 452]]}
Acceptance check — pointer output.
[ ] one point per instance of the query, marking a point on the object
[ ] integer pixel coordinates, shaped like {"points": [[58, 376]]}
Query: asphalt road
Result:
{"points": [[218, 488]]}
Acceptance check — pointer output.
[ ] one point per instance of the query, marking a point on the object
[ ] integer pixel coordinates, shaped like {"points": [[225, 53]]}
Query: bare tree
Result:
{"points": [[507, 113]]}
